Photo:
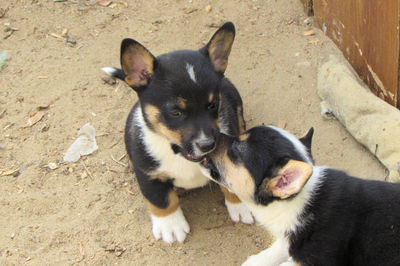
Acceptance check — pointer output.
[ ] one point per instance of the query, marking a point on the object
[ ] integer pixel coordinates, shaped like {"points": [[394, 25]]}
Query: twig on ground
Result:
{"points": [[118, 162], [87, 170], [122, 157]]}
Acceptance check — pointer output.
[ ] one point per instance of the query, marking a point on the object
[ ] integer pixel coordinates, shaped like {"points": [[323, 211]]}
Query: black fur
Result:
{"points": [[169, 82], [264, 152], [353, 222], [347, 221]]}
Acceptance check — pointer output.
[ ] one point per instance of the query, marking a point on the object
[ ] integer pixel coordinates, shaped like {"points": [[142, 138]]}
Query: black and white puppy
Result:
{"points": [[184, 102], [319, 216]]}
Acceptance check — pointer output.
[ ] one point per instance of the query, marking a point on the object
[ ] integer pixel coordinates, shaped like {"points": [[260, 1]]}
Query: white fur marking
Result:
{"points": [[272, 256], [171, 228], [283, 215], [296, 143], [190, 71], [109, 70], [186, 174], [200, 138], [239, 212]]}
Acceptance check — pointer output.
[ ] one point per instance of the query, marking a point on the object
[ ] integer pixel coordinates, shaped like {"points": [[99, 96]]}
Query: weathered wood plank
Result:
{"points": [[367, 32]]}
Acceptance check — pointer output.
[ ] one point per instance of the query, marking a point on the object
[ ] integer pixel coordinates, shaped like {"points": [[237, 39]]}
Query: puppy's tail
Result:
{"points": [[115, 72]]}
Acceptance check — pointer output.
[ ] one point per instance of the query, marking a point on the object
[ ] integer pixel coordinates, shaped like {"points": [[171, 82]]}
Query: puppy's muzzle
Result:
{"points": [[206, 145]]}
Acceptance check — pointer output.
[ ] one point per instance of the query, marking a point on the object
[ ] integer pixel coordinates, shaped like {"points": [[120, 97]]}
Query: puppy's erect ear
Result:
{"points": [[219, 47], [137, 63], [289, 180], [307, 139]]}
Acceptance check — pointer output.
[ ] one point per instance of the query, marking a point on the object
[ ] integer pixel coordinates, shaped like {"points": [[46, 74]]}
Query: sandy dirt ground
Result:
{"points": [[91, 212]]}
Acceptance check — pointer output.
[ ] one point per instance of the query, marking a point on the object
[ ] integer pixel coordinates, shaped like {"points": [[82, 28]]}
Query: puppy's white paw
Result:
{"points": [[239, 212], [255, 260], [171, 228]]}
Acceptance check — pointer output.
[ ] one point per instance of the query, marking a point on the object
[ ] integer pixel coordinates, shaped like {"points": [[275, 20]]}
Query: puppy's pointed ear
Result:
{"points": [[219, 47], [288, 182], [307, 139], [137, 63]]}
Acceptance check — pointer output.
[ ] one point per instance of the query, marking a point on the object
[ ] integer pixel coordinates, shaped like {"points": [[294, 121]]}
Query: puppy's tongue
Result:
{"points": [[193, 157]]}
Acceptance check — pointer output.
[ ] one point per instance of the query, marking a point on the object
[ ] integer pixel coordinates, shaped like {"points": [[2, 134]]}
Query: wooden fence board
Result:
{"points": [[367, 32]]}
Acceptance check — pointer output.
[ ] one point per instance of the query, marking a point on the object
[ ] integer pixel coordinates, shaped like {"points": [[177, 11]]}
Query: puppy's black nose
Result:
{"points": [[206, 145]]}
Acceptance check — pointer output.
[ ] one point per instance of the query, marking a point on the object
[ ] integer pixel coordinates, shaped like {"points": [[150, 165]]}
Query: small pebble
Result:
{"points": [[53, 166], [308, 21], [84, 175], [71, 40], [309, 33], [109, 80]]}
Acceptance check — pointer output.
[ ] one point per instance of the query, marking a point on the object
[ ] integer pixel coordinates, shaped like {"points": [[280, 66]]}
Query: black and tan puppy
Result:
{"points": [[319, 216], [184, 102]]}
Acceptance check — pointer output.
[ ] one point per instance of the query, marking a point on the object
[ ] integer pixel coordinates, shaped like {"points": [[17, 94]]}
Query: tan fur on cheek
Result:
{"points": [[173, 204], [239, 180], [153, 115]]}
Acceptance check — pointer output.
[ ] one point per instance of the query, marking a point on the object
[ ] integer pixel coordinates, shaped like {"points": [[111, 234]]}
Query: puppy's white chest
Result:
{"points": [[185, 174]]}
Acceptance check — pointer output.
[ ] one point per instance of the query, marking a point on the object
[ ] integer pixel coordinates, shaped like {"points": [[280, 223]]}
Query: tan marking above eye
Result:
{"points": [[153, 116], [244, 137], [181, 102], [210, 97]]}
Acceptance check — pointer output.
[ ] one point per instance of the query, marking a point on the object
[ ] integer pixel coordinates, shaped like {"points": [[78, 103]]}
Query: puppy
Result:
{"points": [[319, 216], [184, 101]]}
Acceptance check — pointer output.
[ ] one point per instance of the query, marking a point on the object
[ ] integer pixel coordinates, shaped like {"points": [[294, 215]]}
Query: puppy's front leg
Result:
{"points": [[169, 224], [272, 256], [167, 218], [237, 210]]}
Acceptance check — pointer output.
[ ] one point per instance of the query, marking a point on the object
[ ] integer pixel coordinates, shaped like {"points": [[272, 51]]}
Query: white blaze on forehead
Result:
{"points": [[190, 71], [202, 136]]}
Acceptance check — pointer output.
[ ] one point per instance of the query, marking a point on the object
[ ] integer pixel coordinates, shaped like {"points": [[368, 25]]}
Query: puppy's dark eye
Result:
{"points": [[212, 106], [176, 113]]}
